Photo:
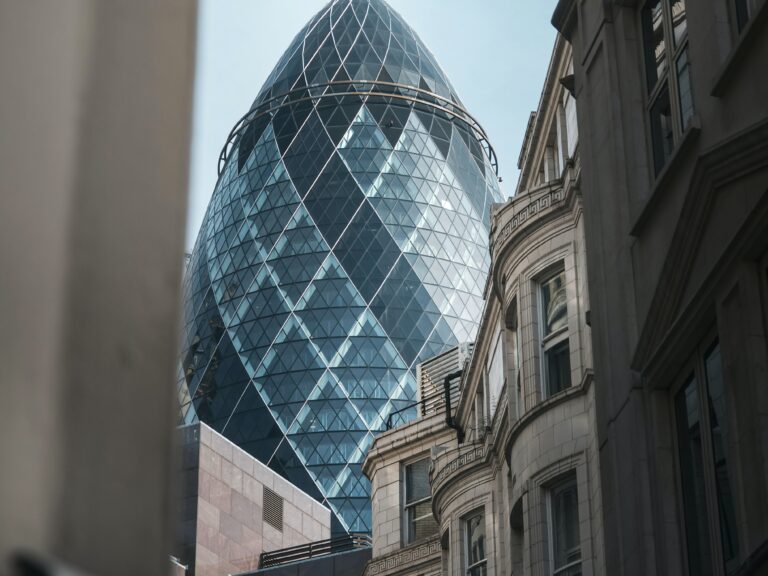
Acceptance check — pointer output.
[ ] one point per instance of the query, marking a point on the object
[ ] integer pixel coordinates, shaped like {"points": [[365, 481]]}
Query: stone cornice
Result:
{"points": [[524, 215], [564, 17], [413, 558], [450, 466], [404, 438]]}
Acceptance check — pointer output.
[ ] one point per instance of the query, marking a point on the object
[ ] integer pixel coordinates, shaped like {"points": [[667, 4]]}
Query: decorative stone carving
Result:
{"points": [[426, 551], [456, 466], [533, 210]]}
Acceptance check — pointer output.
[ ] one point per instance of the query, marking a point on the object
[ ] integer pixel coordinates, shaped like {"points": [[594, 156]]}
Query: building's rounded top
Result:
{"points": [[352, 49], [363, 40]]}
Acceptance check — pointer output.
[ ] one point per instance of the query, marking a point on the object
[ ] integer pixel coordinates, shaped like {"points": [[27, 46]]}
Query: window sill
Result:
{"points": [[690, 136], [753, 30]]}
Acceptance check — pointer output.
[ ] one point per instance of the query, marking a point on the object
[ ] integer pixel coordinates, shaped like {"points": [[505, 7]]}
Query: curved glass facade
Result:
{"points": [[345, 242]]}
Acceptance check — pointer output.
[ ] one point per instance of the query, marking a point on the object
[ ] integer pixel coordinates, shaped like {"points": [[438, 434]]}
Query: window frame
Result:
{"points": [[695, 370], [562, 481], [409, 533], [549, 342], [467, 567], [667, 83]]}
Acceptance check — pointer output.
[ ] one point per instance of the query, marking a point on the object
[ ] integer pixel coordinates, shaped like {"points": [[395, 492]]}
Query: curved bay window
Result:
{"points": [[556, 350], [564, 538], [474, 541], [701, 415], [667, 72]]}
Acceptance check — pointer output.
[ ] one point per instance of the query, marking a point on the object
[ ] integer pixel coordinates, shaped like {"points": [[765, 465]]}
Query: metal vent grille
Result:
{"points": [[430, 375], [272, 511]]}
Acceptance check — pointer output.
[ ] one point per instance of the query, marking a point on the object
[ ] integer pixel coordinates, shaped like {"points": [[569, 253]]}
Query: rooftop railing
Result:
{"points": [[315, 549]]}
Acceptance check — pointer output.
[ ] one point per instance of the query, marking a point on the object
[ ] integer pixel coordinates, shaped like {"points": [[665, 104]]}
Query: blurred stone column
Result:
{"points": [[95, 118]]}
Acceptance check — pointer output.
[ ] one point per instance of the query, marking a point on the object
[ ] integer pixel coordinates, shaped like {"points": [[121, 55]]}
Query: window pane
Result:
{"points": [[744, 10], [684, 88], [421, 523], [481, 570], [558, 366], [692, 479], [417, 481], [679, 20], [653, 37], [719, 430], [475, 539], [566, 544], [554, 304], [661, 130]]}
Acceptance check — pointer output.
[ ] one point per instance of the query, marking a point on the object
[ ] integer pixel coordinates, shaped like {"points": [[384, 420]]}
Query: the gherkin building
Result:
{"points": [[345, 242]]}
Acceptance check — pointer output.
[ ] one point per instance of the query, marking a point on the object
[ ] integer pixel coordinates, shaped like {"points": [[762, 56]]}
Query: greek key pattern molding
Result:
{"points": [[455, 465], [428, 550], [531, 211]]}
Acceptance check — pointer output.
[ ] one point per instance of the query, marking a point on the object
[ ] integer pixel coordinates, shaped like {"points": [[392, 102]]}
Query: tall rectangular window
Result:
{"points": [[718, 429], [496, 376], [481, 407], [563, 529], [705, 472], [419, 522], [668, 75], [555, 346], [692, 479], [474, 544], [514, 378]]}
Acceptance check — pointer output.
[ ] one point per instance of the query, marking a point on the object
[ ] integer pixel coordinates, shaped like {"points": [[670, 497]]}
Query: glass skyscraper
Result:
{"points": [[346, 241]]}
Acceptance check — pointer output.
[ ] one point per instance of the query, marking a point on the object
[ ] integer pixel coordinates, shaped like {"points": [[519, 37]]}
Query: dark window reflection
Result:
{"points": [[718, 423], [566, 541], [744, 11], [558, 368], [692, 476], [662, 133], [655, 47]]}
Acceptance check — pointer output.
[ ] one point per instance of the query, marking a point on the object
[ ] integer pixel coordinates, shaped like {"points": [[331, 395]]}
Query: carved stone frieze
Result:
{"points": [[398, 562], [456, 466], [536, 208]]}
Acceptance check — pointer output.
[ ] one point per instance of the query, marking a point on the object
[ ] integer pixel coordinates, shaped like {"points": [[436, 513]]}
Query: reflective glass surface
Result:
{"points": [[554, 304], [692, 473], [345, 242], [475, 545], [718, 429], [655, 47], [566, 542]]}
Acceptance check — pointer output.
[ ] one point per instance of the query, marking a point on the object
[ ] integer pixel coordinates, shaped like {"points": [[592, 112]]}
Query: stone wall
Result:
{"points": [[223, 528]]}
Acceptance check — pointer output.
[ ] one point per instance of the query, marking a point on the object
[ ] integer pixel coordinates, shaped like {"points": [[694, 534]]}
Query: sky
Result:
{"points": [[494, 52]]}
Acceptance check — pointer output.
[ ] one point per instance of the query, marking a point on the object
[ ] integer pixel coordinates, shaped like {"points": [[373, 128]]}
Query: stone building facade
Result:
{"points": [[233, 508], [672, 101], [509, 476]]}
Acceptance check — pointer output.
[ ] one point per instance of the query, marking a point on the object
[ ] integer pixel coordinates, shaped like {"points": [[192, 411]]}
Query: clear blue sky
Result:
{"points": [[495, 52]]}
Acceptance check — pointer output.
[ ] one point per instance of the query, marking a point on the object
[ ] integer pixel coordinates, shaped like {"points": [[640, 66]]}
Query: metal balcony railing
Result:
{"points": [[432, 404], [315, 549]]}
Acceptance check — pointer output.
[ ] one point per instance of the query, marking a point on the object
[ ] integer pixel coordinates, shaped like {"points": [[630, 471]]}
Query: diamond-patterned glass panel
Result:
{"points": [[346, 240]]}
